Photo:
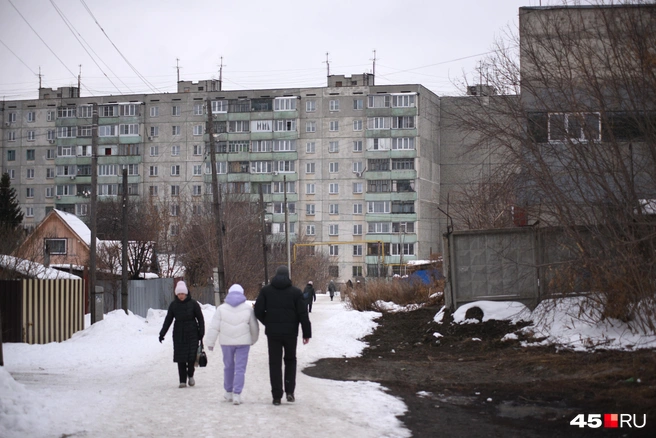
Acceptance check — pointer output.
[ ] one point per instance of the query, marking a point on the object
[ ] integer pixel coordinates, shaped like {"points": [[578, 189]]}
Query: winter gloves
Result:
{"points": [[161, 338]]}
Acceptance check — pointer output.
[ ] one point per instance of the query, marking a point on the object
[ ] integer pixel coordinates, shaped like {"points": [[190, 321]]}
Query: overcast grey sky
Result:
{"points": [[264, 43]]}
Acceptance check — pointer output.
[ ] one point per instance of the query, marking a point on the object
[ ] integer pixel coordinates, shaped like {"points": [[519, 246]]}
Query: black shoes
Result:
{"points": [[276, 402], [290, 398]]}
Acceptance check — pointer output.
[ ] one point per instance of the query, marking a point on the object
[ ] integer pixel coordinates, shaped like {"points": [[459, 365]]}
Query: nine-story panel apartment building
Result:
{"points": [[357, 162]]}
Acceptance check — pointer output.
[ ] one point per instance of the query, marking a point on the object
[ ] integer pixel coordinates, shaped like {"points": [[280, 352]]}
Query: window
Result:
{"points": [[378, 144], [404, 185], [357, 208], [50, 173], [199, 130], [11, 136], [29, 192], [261, 166], [152, 190], [333, 167], [50, 116], [358, 187], [403, 101], [403, 143], [284, 104], [153, 170], [107, 111], [357, 125], [197, 190], [175, 150], [310, 209], [31, 116], [175, 229], [50, 192], [403, 207], [199, 109], [311, 126], [279, 207], [239, 126], [279, 187], [221, 167], [105, 131], [62, 113], [333, 230], [378, 164], [128, 110], [403, 163], [175, 110], [50, 135], [403, 122], [333, 188], [358, 104], [154, 111], [408, 249], [65, 151], [198, 169], [154, 151], [261, 145], [68, 131], [106, 170], [333, 250], [30, 136], [403, 227], [284, 145], [309, 230], [378, 123], [574, 126], [309, 167], [381, 101], [12, 173], [175, 170], [82, 209], [286, 166], [357, 230], [357, 146], [357, 250], [334, 125], [219, 106], [262, 126], [133, 169], [85, 131], [154, 131], [128, 129], [310, 147], [378, 227], [175, 190], [333, 209], [310, 106], [29, 173], [175, 130], [310, 189], [174, 209], [334, 105], [378, 207], [284, 125], [56, 246], [357, 271], [29, 154], [333, 146]]}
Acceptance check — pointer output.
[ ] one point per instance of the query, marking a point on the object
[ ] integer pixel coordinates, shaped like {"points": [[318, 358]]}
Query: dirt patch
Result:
{"points": [[468, 382]]}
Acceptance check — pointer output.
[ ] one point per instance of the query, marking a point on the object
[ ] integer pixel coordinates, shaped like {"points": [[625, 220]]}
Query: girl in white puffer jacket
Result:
{"points": [[236, 327]]}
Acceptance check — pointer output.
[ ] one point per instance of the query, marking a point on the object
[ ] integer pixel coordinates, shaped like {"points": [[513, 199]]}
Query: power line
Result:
{"points": [[145, 81], [18, 57]]}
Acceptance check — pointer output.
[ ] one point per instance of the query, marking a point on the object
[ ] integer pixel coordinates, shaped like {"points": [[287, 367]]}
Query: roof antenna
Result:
{"points": [[177, 67], [374, 60], [327, 62]]}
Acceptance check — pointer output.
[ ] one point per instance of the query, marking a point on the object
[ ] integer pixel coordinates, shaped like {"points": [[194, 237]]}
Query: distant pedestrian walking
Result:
{"points": [[281, 308], [188, 330], [331, 289], [309, 295], [235, 325]]}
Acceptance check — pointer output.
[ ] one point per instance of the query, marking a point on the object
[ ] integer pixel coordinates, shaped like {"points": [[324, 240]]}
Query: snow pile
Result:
{"points": [[389, 306], [20, 412], [499, 310]]}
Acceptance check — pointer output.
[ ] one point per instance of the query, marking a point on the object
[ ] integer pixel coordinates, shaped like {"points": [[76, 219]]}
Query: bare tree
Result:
{"points": [[574, 144]]}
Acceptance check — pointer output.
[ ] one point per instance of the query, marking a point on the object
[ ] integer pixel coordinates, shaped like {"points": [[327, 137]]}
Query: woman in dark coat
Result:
{"points": [[309, 295], [188, 330]]}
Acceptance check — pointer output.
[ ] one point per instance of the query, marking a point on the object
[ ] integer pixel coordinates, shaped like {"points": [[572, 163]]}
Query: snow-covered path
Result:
{"points": [[114, 379]]}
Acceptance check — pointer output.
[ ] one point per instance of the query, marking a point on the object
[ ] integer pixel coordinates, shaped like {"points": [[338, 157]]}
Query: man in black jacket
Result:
{"points": [[281, 308]]}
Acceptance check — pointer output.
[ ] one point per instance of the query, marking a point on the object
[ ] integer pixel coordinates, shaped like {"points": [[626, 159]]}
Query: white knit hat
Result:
{"points": [[181, 288], [236, 288]]}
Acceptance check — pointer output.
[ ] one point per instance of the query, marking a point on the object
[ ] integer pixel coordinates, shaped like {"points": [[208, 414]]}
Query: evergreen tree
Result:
{"points": [[11, 215]]}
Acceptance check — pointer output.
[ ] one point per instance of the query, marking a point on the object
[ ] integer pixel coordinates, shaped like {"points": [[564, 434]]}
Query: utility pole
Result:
{"points": [[263, 233], [124, 244], [216, 202], [289, 258], [79, 81], [94, 207]]}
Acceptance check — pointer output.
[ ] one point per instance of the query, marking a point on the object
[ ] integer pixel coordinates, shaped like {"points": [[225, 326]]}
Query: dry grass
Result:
{"points": [[401, 292]]}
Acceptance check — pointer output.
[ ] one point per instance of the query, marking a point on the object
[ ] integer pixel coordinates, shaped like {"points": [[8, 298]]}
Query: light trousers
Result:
{"points": [[235, 359]]}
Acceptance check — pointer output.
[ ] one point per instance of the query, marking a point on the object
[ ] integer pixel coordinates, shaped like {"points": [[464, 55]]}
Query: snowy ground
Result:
{"points": [[114, 379]]}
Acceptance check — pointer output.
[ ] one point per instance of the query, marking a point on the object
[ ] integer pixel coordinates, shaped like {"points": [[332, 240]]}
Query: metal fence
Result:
{"points": [[41, 311], [516, 264]]}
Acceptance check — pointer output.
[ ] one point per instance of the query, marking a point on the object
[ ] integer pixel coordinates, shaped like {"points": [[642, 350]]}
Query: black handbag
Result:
{"points": [[201, 358]]}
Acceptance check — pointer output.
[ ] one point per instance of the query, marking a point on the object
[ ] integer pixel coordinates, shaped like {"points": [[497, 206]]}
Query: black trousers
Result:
{"points": [[278, 345], [185, 369]]}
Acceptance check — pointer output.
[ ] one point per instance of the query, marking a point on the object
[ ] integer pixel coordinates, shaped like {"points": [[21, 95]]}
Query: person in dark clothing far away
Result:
{"points": [[309, 296], [188, 330], [281, 308], [331, 289]]}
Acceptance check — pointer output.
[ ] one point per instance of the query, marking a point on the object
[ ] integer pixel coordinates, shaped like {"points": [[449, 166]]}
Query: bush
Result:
{"points": [[371, 294]]}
